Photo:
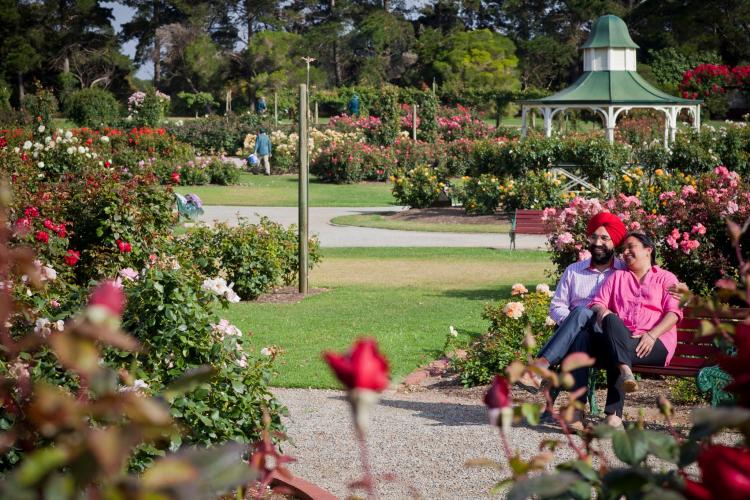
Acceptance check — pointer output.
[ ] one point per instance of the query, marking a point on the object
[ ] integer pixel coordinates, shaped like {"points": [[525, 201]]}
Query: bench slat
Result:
{"points": [[695, 350]]}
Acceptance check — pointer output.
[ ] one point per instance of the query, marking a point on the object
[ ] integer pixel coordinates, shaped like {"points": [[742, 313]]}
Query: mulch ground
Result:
{"points": [[447, 215], [287, 295]]}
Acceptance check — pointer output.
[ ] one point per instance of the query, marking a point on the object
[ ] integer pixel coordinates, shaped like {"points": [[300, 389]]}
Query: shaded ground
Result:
{"points": [[287, 295]]}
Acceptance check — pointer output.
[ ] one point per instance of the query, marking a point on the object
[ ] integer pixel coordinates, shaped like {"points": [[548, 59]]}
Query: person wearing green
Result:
{"points": [[263, 149]]}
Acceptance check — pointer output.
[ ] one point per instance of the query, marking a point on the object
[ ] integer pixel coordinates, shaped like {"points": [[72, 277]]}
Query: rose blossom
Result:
{"points": [[72, 257], [498, 401], [544, 288], [363, 367], [518, 289], [513, 310], [124, 246], [109, 296], [698, 228], [42, 236], [725, 472]]}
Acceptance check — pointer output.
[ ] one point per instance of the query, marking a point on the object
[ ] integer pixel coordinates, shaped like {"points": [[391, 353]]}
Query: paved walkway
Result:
{"points": [[349, 236]]}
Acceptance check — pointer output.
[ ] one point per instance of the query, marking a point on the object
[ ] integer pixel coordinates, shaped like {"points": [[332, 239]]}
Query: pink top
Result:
{"points": [[641, 305]]}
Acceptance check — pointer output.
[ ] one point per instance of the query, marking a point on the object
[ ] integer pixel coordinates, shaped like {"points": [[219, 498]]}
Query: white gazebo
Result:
{"points": [[610, 85]]}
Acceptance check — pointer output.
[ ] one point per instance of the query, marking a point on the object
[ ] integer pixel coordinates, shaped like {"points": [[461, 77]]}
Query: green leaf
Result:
{"points": [[663, 446], [630, 446], [581, 467], [625, 482], [531, 413], [188, 381], [709, 421], [39, 463], [546, 485]]}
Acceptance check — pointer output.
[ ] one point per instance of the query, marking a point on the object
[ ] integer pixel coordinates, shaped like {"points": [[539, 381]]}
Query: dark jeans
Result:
{"points": [[613, 347], [580, 320]]}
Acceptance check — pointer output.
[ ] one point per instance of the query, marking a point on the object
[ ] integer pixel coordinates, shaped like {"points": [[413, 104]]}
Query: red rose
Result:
{"points": [[31, 212], [109, 296], [42, 236], [498, 396], [3, 142], [696, 491], [49, 224], [725, 472], [23, 225], [107, 164], [61, 231], [124, 246], [72, 257], [361, 368], [176, 177], [737, 365]]}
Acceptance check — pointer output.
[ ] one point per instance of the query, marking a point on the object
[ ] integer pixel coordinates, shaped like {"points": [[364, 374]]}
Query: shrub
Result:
{"points": [[534, 191], [511, 321], [480, 195], [40, 107], [174, 317], [223, 172], [92, 107], [353, 162], [253, 257], [417, 188], [148, 108], [216, 134], [688, 225], [459, 155]]}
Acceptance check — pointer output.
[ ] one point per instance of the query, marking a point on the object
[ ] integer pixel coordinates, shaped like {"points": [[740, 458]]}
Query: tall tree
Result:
{"points": [[149, 16]]}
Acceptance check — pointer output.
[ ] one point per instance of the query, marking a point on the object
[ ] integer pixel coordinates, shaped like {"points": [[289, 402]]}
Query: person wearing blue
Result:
{"points": [[263, 149], [353, 107], [260, 106]]}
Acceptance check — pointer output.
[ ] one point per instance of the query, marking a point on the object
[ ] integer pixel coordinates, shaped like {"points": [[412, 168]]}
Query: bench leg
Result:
{"points": [[593, 403], [512, 240]]}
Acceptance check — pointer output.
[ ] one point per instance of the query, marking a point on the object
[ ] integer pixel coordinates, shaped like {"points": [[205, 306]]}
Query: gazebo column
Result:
{"points": [[611, 124], [524, 129], [673, 112], [697, 117], [547, 113]]}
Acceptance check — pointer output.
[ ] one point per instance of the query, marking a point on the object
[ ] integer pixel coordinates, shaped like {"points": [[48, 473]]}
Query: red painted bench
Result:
{"points": [[526, 222]]}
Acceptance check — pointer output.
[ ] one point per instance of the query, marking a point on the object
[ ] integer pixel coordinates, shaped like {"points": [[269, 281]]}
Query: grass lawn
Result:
{"points": [[281, 191], [381, 221], [405, 297]]}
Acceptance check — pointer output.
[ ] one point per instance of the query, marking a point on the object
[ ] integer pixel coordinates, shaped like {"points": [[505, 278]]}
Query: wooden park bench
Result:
{"points": [[526, 222], [695, 356]]}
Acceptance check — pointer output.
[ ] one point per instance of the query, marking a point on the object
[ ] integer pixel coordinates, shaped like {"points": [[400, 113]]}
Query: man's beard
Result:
{"points": [[601, 254]]}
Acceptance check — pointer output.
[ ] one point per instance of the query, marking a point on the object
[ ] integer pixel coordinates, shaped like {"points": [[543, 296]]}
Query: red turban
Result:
{"points": [[611, 223]]}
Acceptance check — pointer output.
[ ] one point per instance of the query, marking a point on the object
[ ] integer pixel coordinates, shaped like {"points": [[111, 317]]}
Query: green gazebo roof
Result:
{"points": [[611, 87], [609, 31]]}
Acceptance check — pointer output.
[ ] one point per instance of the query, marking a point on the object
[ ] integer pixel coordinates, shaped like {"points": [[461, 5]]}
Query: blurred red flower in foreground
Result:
{"points": [[362, 368], [108, 296], [725, 472]]}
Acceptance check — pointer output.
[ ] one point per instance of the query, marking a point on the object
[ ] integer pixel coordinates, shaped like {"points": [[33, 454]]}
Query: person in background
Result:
{"points": [[353, 106], [263, 149], [260, 106]]}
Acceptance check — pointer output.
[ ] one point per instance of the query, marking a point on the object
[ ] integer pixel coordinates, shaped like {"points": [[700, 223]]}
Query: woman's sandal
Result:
{"points": [[629, 383]]}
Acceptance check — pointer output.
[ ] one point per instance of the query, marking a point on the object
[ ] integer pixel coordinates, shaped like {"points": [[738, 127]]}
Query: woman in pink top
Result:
{"points": [[638, 317]]}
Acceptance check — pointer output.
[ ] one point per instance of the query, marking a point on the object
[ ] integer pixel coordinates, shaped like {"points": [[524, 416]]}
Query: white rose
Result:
{"points": [[40, 164], [68, 134], [81, 149], [40, 129], [27, 145], [104, 139]]}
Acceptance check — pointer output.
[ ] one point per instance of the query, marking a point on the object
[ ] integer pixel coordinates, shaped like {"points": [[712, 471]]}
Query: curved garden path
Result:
{"points": [[331, 235]]}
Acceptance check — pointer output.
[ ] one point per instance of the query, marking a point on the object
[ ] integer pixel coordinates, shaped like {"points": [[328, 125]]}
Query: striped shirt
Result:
{"points": [[577, 287]]}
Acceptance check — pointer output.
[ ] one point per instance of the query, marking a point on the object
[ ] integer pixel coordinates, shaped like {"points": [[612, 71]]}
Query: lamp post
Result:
{"points": [[308, 60]]}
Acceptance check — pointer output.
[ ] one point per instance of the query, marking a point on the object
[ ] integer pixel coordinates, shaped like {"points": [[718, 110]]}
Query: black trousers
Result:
{"points": [[611, 348]]}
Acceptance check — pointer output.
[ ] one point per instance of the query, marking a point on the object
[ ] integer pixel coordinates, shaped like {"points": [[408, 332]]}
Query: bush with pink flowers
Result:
{"points": [[688, 224]]}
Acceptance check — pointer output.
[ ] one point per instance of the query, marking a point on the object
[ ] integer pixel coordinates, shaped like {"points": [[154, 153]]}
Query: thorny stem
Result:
{"points": [[581, 454], [367, 481], [672, 430], [506, 446]]}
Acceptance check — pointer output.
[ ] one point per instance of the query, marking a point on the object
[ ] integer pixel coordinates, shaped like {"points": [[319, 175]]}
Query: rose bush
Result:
{"points": [[513, 323], [688, 223], [419, 187]]}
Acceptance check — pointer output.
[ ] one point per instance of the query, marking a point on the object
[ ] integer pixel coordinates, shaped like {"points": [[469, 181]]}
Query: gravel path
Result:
{"points": [[424, 438], [350, 236]]}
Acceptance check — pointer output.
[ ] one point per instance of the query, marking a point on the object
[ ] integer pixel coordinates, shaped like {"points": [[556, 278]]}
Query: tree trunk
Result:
{"points": [[249, 20], [385, 4], [337, 64], [157, 46], [21, 93]]}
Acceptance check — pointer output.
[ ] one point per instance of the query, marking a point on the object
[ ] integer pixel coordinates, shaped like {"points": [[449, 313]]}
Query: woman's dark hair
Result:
{"points": [[261, 130], [645, 240]]}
